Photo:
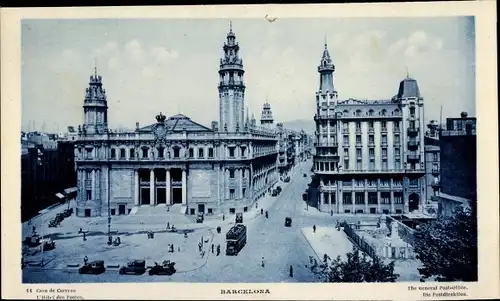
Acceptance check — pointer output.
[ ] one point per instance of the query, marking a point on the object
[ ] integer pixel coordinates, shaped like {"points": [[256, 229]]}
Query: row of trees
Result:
{"points": [[447, 249]]}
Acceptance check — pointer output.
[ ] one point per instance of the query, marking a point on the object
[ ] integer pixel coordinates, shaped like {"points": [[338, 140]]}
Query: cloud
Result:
{"points": [[416, 43], [164, 55]]}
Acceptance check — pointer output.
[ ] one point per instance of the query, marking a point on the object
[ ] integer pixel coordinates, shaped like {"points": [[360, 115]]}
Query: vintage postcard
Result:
{"points": [[248, 152]]}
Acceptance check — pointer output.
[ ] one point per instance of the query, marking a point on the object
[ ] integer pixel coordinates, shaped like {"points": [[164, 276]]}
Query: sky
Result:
{"points": [[171, 65]]}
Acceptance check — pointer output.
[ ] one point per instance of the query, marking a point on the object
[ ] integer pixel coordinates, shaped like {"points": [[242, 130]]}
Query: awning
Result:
{"points": [[70, 190], [60, 195]]}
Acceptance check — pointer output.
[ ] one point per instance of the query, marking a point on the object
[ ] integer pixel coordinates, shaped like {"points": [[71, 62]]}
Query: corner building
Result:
{"points": [[175, 161], [369, 153]]}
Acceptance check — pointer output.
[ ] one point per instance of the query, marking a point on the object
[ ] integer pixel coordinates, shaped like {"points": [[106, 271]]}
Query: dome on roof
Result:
{"points": [[408, 87]]}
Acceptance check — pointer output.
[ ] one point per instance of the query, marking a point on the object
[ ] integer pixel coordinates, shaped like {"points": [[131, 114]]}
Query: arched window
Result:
{"points": [[396, 112], [412, 111], [345, 113], [358, 113], [370, 112], [384, 112]]}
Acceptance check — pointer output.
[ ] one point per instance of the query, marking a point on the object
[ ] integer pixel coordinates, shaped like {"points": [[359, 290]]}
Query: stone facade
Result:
{"points": [[225, 168], [369, 154]]}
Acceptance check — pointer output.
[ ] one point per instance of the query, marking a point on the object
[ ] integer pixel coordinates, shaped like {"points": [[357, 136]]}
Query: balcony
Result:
{"points": [[371, 143], [358, 130], [328, 144], [371, 130], [359, 144], [413, 131], [413, 157], [413, 143], [384, 130], [383, 143], [396, 129], [345, 131]]}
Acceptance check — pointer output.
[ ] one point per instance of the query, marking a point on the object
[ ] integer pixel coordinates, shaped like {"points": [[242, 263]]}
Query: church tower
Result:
{"points": [[231, 86], [266, 117], [95, 106]]}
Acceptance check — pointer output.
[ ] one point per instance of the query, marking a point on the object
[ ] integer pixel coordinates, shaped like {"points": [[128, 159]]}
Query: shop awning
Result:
{"points": [[60, 195], [70, 190]]}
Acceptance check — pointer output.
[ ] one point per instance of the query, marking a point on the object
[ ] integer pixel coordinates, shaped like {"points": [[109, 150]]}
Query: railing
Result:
{"points": [[345, 131], [371, 130], [413, 131], [360, 242], [413, 143], [435, 170], [383, 143], [414, 157], [328, 144], [384, 130], [358, 130], [396, 129]]}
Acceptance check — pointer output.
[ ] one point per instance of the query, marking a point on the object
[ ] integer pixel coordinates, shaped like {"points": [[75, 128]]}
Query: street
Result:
{"points": [[267, 239]]}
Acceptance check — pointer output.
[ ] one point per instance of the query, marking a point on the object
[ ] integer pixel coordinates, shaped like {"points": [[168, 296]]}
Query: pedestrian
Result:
{"points": [[85, 260], [314, 229], [218, 250], [223, 217], [34, 228], [262, 262], [212, 248], [84, 238], [291, 271], [331, 212], [261, 211], [179, 249], [168, 225]]}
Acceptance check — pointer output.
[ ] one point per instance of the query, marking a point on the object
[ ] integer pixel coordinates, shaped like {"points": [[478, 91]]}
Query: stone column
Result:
{"points": [[379, 206], [330, 200], [353, 199], [240, 193], [366, 202], [93, 184], [168, 188], [340, 198], [392, 196], [321, 199], [136, 187], [98, 184], [184, 188], [152, 200]]}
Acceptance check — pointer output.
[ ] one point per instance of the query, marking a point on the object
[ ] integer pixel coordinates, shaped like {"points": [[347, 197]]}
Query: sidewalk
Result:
{"points": [[328, 240]]}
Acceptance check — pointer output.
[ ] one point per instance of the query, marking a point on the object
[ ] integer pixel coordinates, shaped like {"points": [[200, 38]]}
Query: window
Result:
{"points": [[396, 139], [384, 112], [384, 164], [358, 138], [372, 164], [358, 113], [371, 139], [370, 113], [89, 194], [346, 140], [145, 152], [231, 193], [358, 125], [232, 210], [176, 152], [243, 151], [201, 153], [414, 182], [435, 157], [359, 165], [346, 198], [345, 125], [384, 124], [231, 173], [397, 163], [360, 198], [210, 211], [358, 152], [346, 183], [412, 124], [132, 153], [231, 152], [384, 152], [371, 152], [346, 152], [113, 211], [191, 153], [122, 153], [89, 153], [384, 139], [210, 152], [245, 209], [244, 192], [192, 211], [113, 153], [412, 112], [396, 151], [346, 164], [396, 124], [160, 152]]}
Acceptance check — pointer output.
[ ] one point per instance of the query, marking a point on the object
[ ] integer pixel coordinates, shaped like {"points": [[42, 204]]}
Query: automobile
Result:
{"points": [[166, 268], [59, 217], [239, 218], [48, 244], [32, 241], [305, 175], [93, 267], [68, 212], [278, 189], [200, 217], [274, 193], [287, 179], [288, 221], [136, 267]]}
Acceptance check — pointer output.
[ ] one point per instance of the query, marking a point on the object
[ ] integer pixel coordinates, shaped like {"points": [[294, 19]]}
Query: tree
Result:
{"points": [[357, 268], [447, 247]]}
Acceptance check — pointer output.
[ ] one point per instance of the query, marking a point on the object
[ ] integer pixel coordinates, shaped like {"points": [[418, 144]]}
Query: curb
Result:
{"points": [[310, 245]]}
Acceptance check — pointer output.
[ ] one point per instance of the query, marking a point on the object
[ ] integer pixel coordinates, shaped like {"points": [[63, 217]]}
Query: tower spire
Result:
{"points": [[407, 72], [95, 66], [230, 26]]}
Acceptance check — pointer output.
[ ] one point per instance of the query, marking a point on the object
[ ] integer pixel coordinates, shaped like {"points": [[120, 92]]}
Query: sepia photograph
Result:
{"points": [[250, 150]]}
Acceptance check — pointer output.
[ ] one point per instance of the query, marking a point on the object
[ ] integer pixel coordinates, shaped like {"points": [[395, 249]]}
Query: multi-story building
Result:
{"points": [[175, 160], [458, 155], [369, 154], [432, 166]]}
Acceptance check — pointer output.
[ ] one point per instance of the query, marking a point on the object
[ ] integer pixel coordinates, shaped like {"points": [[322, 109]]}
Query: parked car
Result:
{"points": [[278, 188], [239, 218], [32, 241], [48, 244], [166, 268], [274, 193], [200, 217], [94, 267], [136, 267], [287, 179], [288, 221], [68, 212]]}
